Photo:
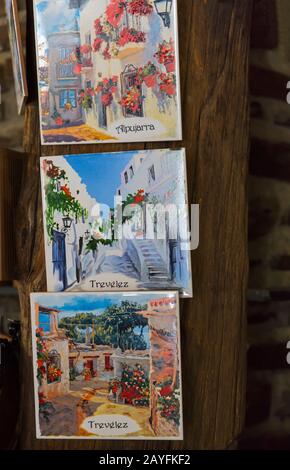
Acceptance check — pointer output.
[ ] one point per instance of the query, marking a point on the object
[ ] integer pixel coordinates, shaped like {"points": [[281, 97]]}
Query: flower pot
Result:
{"points": [[150, 81], [170, 67], [168, 89], [59, 121]]}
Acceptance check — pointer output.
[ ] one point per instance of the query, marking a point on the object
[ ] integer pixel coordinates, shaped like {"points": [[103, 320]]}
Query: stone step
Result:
{"points": [[161, 278], [157, 270]]}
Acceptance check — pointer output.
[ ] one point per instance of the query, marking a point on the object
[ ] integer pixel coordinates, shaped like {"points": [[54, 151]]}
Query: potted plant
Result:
{"points": [[166, 55], [148, 74], [131, 99], [168, 84], [85, 98], [140, 7]]}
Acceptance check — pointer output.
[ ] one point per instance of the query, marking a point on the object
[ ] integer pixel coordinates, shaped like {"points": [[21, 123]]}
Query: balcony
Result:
{"points": [[65, 71]]}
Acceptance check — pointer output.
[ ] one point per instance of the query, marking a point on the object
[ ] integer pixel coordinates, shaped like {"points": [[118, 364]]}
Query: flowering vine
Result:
{"points": [[58, 197]]}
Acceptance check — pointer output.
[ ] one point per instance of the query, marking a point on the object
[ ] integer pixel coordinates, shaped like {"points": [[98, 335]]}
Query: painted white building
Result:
{"points": [[162, 177], [67, 260], [124, 65]]}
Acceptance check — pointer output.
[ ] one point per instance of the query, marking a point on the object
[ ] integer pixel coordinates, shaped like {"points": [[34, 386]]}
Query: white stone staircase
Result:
{"points": [[154, 263]]}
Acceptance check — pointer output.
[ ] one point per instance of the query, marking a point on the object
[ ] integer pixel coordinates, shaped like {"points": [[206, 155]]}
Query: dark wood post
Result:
{"points": [[214, 48]]}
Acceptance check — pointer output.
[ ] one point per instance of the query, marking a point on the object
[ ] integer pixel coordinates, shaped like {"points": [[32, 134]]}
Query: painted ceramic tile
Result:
{"points": [[108, 70], [116, 221], [107, 365], [18, 64]]}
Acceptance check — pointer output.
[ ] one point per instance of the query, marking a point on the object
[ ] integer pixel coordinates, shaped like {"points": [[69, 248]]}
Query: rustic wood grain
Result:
{"points": [[214, 43], [11, 166]]}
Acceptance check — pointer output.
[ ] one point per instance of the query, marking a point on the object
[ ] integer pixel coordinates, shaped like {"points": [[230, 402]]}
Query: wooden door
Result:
{"points": [[214, 48], [59, 258]]}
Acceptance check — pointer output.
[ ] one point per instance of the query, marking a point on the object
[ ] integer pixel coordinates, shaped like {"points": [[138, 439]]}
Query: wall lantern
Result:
{"points": [[163, 8], [67, 221], [87, 234]]}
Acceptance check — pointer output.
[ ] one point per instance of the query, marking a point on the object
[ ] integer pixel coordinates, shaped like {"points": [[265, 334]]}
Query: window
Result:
{"points": [[65, 67], [119, 192], [44, 322], [151, 174], [131, 172], [126, 177], [89, 84], [88, 39], [67, 96], [65, 53]]}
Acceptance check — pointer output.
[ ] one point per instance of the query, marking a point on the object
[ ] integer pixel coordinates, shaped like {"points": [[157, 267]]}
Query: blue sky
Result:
{"points": [[100, 173], [70, 304], [53, 14]]}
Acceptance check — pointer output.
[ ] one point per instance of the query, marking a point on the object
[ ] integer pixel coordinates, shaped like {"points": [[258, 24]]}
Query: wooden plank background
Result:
{"points": [[214, 48], [11, 166]]}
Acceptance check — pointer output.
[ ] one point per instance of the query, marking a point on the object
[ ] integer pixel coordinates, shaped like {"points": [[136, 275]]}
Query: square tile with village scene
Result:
{"points": [[108, 70], [107, 365], [117, 221]]}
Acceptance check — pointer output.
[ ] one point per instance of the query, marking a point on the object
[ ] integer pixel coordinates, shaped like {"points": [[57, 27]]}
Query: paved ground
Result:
{"points": [[118, 267], [88, 398], [75, 133]]}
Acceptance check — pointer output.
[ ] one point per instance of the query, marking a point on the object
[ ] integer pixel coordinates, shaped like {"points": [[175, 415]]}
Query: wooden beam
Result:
{"points": [[214, 49]]}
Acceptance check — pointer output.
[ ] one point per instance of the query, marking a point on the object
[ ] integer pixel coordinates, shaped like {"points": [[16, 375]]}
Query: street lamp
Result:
{"points": [[163, 8], [67, 221]]}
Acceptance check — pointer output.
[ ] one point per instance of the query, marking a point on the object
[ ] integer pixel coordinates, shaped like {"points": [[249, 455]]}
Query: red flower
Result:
{"points": [[98, 26], [106, 53], [131, 35], [85, 48], [77, 69], [107, 99], [59, 121], [166, 391], [66, 190], [138, 199], [39, 363], [140, 8], [90, 91], [97, 44], [150, 81], [170, 66], [114, 12]]}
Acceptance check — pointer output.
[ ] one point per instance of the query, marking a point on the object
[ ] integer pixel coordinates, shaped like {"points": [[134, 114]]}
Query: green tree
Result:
{"points": [[115, 327]]}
